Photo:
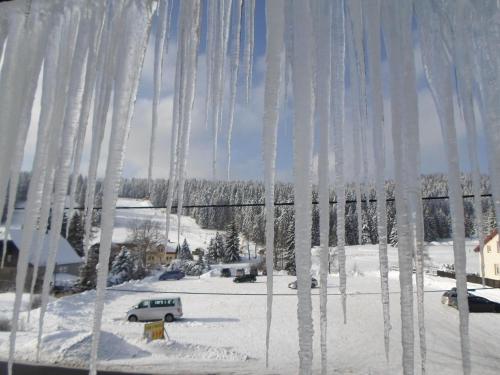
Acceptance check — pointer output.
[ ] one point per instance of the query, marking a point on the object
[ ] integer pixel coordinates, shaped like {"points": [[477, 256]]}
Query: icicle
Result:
{"points": [[211, 31], [47, 134], [39, 40], [76, 51], [88, 93], [235, 67], [275, 28], [438, 73], [158, 64], [113, 31], [355, 105], [396, 23], [371, 12], [303, 125], [189, 24], [463, 47], [360, 104], [338, 95], [130, 54], [249, 14], [322, 31], [224, 16]]}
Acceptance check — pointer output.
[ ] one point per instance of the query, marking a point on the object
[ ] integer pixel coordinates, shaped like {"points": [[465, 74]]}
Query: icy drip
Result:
{"points": [[235, 65], [190, 20], [487, 32], [46, 127], [486, 48], [249, 13], [338, 94], [275, 22], [174, 149], [34, 64], [438, 72], [356, 125], [13, 94], [413, 184], [105, 62], [75, 62], [88, 93], [322, 34], [395, 25], [211, 31], [371, 12], [302, 79], [360, 104], [463, 47], [162, 15], [131, 50]]}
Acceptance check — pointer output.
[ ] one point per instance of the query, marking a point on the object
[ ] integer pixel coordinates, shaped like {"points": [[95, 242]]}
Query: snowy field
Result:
{"points": [[226, 333]]}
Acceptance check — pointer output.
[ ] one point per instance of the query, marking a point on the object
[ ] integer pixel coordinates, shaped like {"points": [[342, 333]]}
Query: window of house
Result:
{"points": [[488, 248], [498, 246], [9, 258], [497, 269]]}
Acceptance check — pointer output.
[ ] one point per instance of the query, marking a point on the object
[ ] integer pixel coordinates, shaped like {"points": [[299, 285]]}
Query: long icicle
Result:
{"points": [[338, 95], [275, 29], [395, 25], [249, 15], [371, 13], [157, 73], [137, 17], [302, 78], [235, 68], [322, 31]]}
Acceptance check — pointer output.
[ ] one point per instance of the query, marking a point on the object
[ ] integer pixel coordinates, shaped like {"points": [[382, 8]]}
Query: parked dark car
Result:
{"points": [[225, 272], [293, 284], [478, 304], [249, 278], [240, 272], [172, 275], [450, 296]]}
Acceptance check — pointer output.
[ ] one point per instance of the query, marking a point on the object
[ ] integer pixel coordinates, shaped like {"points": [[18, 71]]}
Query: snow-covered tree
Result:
{"points": [[185, 252], [122, 267], [211, 255], [219, 246], [88, 272], [76, 233], [232, 245], [289, 253]]}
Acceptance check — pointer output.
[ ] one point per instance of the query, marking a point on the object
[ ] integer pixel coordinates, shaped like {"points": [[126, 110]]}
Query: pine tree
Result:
{"points": [[232, 245], [289, 253], [88, 271], [219, 246], [185, 252], [212, 255], [76, 233], [122, 268]]}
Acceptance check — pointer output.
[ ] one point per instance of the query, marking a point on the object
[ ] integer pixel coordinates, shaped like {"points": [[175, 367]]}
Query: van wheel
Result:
{"points": [[132, 318], [169, 318]]}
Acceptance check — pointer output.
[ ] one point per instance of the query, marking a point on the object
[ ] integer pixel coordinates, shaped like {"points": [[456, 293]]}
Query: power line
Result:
{"points": [[352, 294], [262, 204]]}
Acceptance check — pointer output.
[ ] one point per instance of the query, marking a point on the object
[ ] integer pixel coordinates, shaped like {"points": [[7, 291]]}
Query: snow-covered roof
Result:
{"points": [[65, 254]]}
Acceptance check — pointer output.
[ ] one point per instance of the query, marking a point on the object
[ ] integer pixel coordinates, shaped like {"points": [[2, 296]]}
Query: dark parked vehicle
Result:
{"points": [[225, 272], [172, 275], [478, 304], [245, 279], [450, 296], [293, 284]]}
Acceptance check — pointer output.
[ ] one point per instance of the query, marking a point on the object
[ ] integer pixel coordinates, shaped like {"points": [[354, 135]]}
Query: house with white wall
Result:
{"points": [[491, 253]]}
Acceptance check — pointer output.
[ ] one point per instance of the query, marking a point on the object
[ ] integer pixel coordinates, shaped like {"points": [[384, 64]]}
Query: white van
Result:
{"points": [[168, 309]]}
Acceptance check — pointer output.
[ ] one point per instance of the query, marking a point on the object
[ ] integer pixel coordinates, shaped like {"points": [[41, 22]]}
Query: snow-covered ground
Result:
{"points": [[224, 329]]}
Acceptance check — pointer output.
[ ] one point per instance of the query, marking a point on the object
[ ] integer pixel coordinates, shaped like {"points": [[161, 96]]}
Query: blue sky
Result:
{"points": [[246, 157]]}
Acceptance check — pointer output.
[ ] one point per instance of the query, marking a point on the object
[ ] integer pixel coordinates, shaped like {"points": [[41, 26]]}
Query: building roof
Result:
{"points": [[488, 238], [65, 254]]}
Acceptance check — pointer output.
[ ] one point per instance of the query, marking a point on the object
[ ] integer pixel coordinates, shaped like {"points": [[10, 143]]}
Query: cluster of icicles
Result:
{"points": [[89, 55]]}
